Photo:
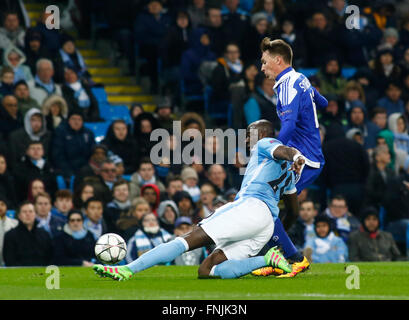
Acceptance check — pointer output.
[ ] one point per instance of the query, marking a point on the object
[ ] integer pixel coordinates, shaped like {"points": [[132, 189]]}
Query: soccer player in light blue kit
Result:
{"points": [[239, 229], [297, 103]]}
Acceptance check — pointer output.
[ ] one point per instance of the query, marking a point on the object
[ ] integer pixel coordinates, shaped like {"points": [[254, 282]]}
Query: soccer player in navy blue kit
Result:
{"points": [[297, 103]]}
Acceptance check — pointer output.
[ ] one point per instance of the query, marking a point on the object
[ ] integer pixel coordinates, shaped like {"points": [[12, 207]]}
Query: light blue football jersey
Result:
{"points": [[267, 178]]}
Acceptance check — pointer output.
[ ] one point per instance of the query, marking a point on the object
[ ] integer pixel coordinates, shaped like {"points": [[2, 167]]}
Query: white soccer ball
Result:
{"points": [[110, 248]]}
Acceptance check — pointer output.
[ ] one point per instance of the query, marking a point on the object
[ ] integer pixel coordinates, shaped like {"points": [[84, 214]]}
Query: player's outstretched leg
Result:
{"points": [[163, 253]]}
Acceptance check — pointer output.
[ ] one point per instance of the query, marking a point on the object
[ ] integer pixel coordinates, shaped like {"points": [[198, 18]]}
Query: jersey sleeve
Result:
{"points": [[267, 146]]}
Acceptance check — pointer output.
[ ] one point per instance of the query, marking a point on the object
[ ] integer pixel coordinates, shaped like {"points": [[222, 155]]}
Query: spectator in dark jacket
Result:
{"points": [[215, 30], [199, 51], [371, 244], [75, 245], [72, 145], [321, 40], [144, 124], [380, 177], [35, 48], [79, 96], [34, 166], [227, 73], [174, 44], [397, 204], [10, 117], [51, 37], [99, 153], [7, 184], [150, 29], [121, 142], [34, 130], [27, 244]]}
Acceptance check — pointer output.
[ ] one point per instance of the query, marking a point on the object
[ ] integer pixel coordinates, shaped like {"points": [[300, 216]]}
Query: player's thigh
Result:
{"points": [[243, 219], [247, 248]]}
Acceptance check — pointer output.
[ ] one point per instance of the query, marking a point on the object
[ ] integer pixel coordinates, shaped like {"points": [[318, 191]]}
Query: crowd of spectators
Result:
{"points": [[357, 210]]}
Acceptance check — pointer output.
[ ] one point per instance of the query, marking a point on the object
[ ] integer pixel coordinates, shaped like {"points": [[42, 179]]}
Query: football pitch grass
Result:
{"points": [[322, 281]]}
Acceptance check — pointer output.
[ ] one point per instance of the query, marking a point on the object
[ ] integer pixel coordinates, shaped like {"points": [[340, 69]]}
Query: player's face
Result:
{"points": [[269, 65]]}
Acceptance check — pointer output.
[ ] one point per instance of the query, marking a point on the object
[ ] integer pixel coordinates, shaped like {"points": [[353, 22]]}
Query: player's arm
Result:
{"points": [[320, 101], [290, 154], [292, 209]]}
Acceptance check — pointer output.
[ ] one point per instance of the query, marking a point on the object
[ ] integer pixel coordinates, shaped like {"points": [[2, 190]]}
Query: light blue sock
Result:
{"points": [[163, 253], [231, 269]]}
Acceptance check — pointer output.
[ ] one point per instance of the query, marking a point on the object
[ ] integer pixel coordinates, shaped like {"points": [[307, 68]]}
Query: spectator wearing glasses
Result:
{"points": [[75, 245]]}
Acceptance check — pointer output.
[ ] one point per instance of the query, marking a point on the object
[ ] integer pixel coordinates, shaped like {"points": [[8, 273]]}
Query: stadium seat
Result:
{"points": [[110, 113], [127, 177], [99, 129], [11, 214], [382, 214], [100, 95], [62, 185], [187, 97]]}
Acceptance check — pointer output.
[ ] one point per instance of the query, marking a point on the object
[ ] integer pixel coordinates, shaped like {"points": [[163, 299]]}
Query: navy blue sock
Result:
{"points": [[280, 238]]}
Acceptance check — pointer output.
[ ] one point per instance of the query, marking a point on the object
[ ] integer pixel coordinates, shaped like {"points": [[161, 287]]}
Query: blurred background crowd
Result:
{"points": [[78, 105]]}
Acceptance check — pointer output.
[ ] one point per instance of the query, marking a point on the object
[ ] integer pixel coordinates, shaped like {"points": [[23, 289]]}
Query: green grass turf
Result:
{"points": [[322, 281]]}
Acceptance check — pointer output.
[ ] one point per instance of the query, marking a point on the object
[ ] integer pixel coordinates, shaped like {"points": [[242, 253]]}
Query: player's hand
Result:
{"points": [[298, 165]]}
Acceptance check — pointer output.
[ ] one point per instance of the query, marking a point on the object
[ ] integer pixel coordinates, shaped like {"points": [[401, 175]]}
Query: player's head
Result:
{"points": [[277, 55], [258, 130]]}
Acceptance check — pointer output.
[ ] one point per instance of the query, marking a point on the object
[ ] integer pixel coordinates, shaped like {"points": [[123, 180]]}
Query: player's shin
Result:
{"points": [[163, 253], [231, 269]]}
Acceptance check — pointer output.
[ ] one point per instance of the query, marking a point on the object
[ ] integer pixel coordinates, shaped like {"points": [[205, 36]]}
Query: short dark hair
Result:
{"points": [[377, 110], [173, 177], [64, 194], [93, 199], [21, 205], [277, 47], [339, 197], [119, 182], [143, 161]]}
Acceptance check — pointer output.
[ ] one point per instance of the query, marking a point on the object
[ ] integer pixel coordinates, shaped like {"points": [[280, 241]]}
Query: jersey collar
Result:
{"points": [[282, 76]]}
